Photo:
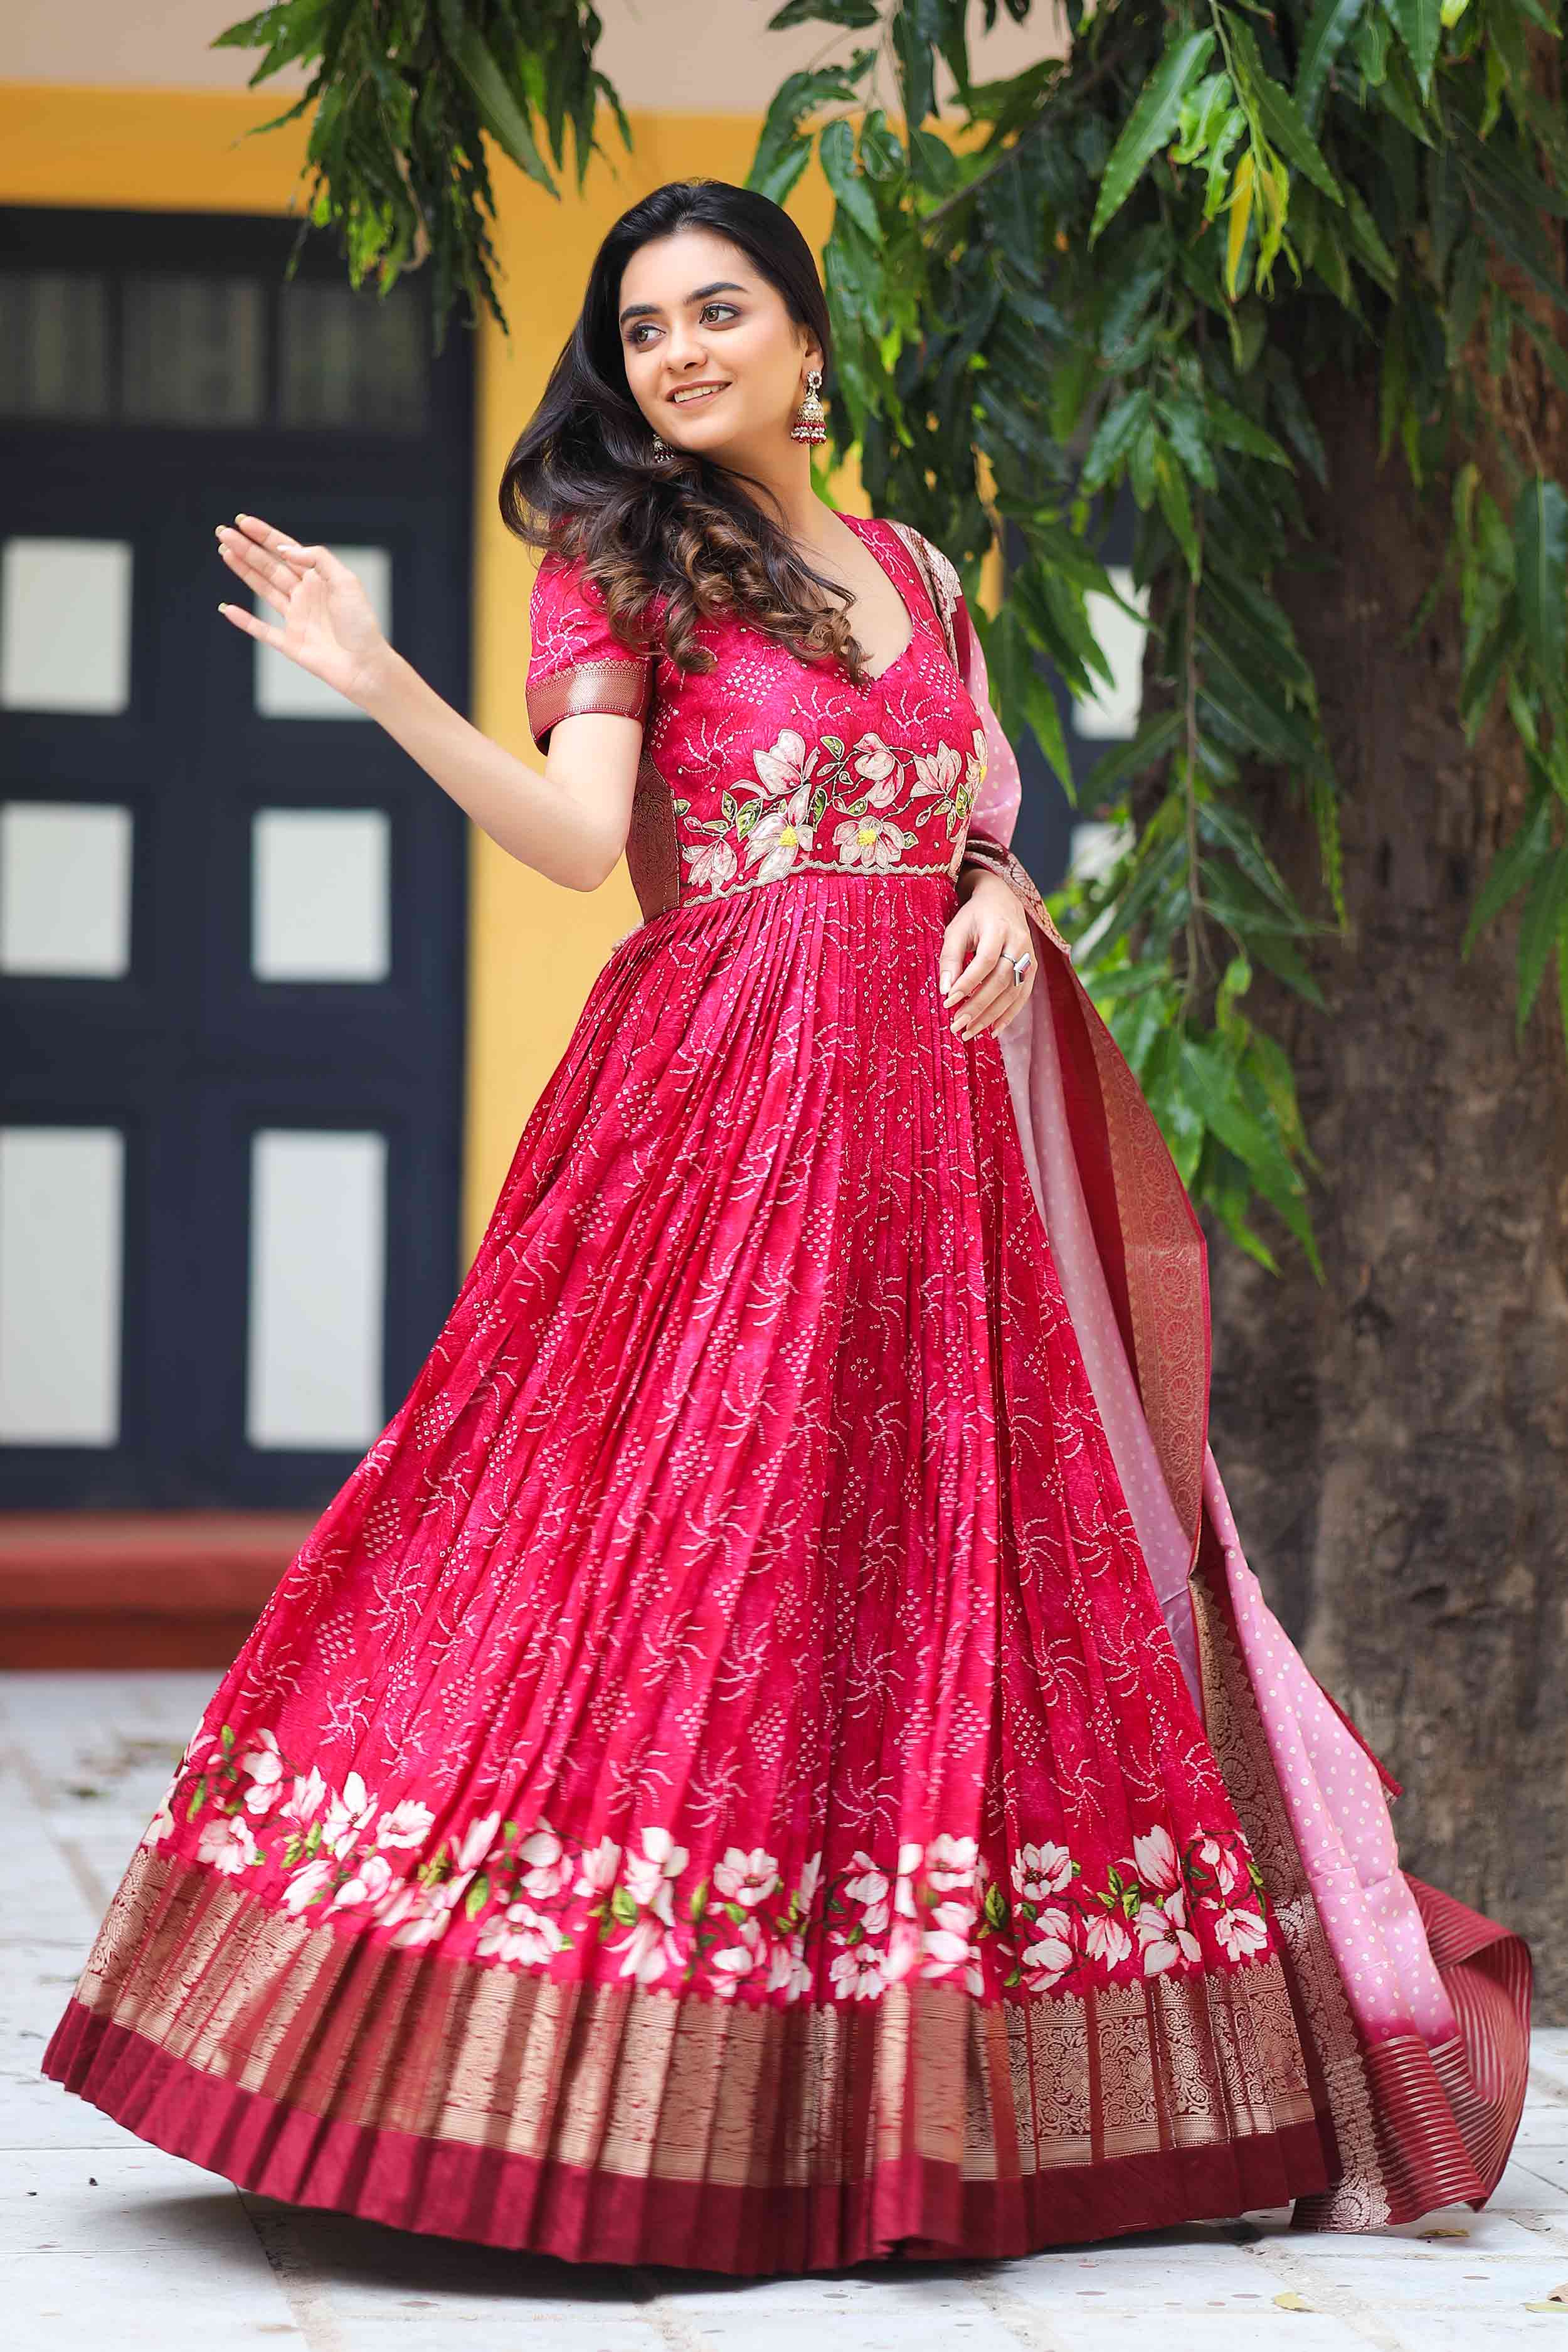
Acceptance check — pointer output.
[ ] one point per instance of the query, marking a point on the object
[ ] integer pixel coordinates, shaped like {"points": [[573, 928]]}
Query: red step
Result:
{"points": [[138, 1588]]}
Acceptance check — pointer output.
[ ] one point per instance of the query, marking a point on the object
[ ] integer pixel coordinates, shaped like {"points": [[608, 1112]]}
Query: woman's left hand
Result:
{"points": [[977, 983]]}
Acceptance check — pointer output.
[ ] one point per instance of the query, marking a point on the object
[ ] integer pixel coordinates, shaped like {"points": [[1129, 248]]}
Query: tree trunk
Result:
{"points": [[1395, 1441]]}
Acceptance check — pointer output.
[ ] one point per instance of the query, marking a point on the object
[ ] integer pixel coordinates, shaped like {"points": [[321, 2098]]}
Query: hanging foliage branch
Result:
{"points": [[404, 92], [1128, 267]]}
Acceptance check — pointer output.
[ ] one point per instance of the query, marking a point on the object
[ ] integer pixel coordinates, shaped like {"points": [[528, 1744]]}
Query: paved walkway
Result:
{"points": [[108, 2241]]}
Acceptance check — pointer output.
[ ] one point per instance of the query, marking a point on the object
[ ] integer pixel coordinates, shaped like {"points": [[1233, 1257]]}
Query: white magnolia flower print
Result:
{"points": [[712, 863], [905, 1950], [474, 1844], [307, 1797], [753, 1928], [422, 1914], [550, 1867], [857, 1974], [522, 1936], [976, 764], [1041, 1870], [1218, 1859], [936, 772], [873, 845], [1239, 1934], [746, 1878], [405, 1824], [1164, 1934], [649, 1873], [1048, 1957], [872, 1888], [265, 1766], [1106, 1938], [780, 835], [596, 1868], [952, 1861], [785, 765], [311, 1880], [348, 1816], [1157, 1861], [737, 1960], [369, 1883], [228, 1843], [877, 767], [788, 1971], [649, 1949]]}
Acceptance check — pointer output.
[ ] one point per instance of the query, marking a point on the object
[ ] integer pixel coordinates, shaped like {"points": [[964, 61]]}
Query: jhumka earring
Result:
{"points": [[661, 452], [811, 422]]}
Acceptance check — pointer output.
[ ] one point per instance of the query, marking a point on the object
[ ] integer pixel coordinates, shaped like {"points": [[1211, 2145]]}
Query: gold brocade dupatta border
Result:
{"points": [[1150, 1244]]}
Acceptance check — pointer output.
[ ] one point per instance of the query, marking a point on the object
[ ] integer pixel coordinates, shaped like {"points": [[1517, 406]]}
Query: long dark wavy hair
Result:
{"points": [[582, 482]]}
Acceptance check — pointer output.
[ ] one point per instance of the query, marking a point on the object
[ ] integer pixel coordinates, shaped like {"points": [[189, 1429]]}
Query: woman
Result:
{"points": [[775, 1756]]}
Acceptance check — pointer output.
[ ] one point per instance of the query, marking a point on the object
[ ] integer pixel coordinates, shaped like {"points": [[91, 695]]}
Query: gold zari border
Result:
{"points": [[650, 2085]]}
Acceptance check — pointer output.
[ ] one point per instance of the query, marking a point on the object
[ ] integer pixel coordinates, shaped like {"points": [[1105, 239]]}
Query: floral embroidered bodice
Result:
{"points": [[768, 765]]}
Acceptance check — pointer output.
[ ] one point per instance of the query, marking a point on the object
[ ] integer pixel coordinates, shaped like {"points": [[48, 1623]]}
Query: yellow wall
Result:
{"points": [[534, 948]]}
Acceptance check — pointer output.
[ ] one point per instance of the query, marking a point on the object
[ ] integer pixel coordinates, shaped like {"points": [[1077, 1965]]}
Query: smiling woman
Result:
{"points": [[775, 1755]]}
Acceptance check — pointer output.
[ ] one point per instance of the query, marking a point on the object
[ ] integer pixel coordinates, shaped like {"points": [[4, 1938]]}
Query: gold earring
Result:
{"points": [[810, 423]]}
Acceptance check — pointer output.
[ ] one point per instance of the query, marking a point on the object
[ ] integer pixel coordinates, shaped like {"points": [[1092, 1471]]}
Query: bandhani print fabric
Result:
{"points": [[738, 1774]]}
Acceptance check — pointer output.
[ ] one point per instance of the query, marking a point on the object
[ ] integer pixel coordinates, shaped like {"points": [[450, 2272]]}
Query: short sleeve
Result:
{"points": [[575, 661]]}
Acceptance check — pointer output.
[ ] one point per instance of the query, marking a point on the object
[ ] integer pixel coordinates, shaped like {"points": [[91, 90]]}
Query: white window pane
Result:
{"points": [[1114, 714], [61, 1245], [319, 881], [317, 1250], [65, 625], [284, 690], [1095, 846], [64, 889]]}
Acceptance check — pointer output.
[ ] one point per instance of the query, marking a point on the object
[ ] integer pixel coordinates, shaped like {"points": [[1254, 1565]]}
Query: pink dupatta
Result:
{"points": [[1415, 2008]]}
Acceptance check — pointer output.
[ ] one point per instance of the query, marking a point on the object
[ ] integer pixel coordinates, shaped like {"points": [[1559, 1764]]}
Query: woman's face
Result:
{"points": [[694, 310]]}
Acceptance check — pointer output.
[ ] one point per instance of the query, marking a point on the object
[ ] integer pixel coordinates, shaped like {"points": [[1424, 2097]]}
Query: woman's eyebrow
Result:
{"points": [[697, 294]]}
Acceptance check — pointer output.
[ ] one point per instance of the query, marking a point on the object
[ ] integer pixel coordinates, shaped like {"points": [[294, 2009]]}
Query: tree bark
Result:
{"points": [[1395, 1441]]}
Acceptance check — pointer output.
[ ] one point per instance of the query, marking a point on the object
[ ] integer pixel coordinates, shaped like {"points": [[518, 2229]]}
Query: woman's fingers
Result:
{"points": [[270, 580], [993, 990], [251, 626]]}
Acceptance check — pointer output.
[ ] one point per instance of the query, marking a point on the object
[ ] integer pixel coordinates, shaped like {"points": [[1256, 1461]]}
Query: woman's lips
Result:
{"points": [[700, 399]]}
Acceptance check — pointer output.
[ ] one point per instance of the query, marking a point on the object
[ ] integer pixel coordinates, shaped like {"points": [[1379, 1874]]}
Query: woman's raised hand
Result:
{"points": [[329, 627]]}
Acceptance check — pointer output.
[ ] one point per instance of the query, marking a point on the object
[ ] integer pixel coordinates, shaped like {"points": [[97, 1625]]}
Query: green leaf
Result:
{"points": [[1170, 488], [1541, 574], [478, 1894], [504, 119], [1420, 25], [1118, 428], [1155, 738], [227, 1738], [1538, 934], [1280, 116], [1333, 23], [1236, 431], [1512, 867], [836, 148], [1153, 119], [624, 1906], [1366, 244]]}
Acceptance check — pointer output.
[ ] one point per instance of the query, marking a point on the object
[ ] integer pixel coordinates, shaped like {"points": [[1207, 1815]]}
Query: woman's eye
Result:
{"points": [[636, 335]]}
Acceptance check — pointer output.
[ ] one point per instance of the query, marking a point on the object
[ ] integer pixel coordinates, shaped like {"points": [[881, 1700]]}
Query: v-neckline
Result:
{"points": [[856, 523]]}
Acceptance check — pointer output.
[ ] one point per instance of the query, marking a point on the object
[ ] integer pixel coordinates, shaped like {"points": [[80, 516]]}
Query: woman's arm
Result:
{"points": [[570, 824]]}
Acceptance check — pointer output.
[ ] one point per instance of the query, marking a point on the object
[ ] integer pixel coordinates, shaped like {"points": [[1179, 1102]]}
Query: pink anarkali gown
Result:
{"points": [[775, 1754]]}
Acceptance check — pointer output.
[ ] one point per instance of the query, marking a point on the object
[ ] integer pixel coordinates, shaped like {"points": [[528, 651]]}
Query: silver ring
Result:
{"points": [[1020, 964]]}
